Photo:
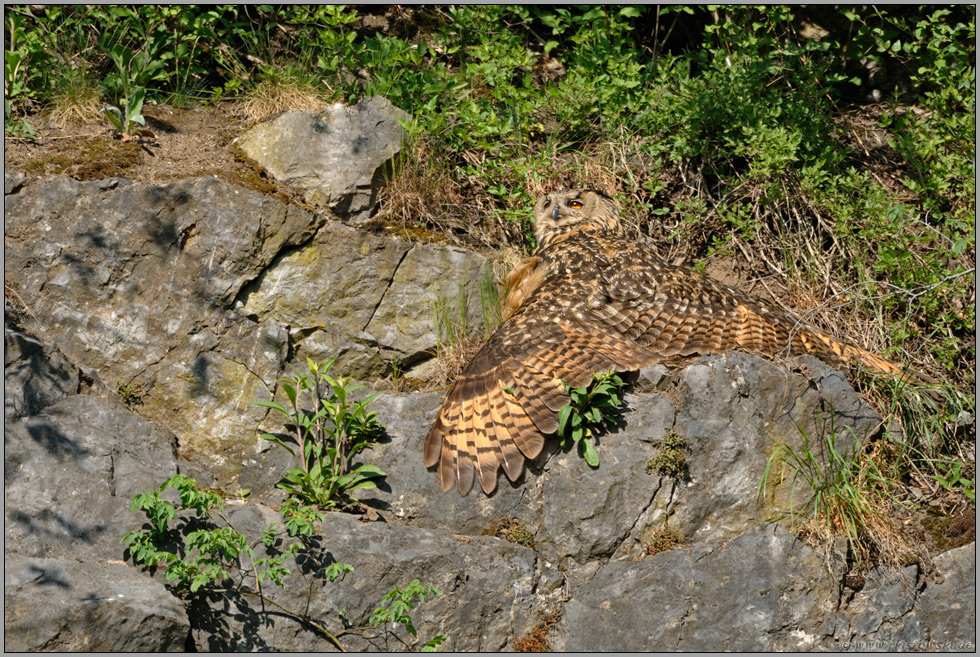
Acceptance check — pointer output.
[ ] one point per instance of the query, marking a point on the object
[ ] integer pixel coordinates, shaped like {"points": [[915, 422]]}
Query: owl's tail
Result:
{"points": [[816, 342]]}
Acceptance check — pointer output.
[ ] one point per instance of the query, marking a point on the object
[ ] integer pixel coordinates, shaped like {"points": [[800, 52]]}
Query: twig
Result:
{"points": [[912, 294], [306, 619]]}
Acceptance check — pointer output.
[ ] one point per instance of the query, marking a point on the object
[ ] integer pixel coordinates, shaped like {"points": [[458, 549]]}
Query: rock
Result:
{"points": [[203, 393], [70, 473], [947, 611], [890, 613], [762, 591], [71, 605], [483, 582], [338, 157], [35, 375], [119, 274], [733, 411], [405, 319], [12, 181], [138, 282], [367, 299]]}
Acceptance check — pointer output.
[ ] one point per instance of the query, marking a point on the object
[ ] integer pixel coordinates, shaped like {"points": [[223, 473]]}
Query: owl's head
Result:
{"points": [[560, 213]]}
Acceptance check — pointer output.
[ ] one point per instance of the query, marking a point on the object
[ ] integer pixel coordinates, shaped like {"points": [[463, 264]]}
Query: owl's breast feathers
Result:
{"points": [[592, 301]]}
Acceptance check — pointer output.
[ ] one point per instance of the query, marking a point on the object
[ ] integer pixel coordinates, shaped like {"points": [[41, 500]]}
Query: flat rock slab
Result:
{"points": [[70, 605], [338, 157]]}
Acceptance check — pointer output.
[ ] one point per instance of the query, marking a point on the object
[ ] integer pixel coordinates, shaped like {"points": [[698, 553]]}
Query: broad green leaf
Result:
{"points": [[591, 455]]}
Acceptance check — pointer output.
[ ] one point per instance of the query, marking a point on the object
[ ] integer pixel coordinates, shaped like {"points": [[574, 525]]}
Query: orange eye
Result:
{"points": [[575, 205]]}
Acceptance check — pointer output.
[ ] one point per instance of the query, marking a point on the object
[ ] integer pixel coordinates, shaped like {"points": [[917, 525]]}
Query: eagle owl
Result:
{"points": [[591, 300]]}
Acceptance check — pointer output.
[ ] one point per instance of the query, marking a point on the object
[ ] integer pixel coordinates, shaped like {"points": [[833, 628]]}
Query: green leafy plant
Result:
{"points": [[589, 412], [208, 553], [955, 479], [128, 113], [327, 437], [396, 605], [131, 393]]}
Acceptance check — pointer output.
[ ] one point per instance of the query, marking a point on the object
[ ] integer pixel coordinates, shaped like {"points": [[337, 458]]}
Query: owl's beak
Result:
{"points": [[554, 212]]}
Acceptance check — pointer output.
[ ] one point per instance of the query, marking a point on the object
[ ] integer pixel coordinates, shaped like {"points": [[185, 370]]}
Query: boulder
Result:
{"points": [[70, 473], [338, 157], [74, 605]]}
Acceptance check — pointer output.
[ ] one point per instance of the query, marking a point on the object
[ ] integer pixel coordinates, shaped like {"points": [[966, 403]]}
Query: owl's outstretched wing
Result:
{"points": [[507, 399], [671, 311]]}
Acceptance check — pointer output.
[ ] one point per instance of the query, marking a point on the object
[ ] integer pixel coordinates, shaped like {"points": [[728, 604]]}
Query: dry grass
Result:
{"points": [[423, 195], [662, 540], [276, 94], [511, 530], [537, 639], [74, 102], [859, 498]]}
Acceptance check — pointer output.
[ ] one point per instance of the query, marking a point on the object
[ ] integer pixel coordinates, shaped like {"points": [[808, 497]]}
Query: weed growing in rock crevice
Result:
{"points": [[671, 460], [326, 438]]}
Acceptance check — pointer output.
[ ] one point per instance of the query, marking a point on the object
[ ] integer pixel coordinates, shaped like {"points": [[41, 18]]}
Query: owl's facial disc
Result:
{"points": [[560, 205]]}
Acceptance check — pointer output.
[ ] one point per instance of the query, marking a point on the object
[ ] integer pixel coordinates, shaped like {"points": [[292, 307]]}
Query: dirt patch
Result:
{"points": [[945, 532], [177, 143]]}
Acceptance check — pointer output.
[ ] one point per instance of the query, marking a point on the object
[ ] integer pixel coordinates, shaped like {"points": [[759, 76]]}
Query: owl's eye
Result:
{"points": [[575, 205]]}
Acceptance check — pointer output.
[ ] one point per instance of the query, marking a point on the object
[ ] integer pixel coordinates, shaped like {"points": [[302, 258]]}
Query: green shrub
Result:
{"points": [[326, 438], [211, 555]]}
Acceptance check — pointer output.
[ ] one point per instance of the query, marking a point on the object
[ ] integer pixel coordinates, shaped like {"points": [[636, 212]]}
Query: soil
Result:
{"points": [[176, 143]]}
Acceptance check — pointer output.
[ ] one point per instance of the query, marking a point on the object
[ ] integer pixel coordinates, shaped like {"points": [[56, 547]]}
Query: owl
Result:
{"points": [[592, 300]]}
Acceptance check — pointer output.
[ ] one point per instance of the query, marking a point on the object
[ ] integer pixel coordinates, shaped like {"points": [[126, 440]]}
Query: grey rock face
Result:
{"points": [[129, 271], [70, 605], [70, 473], [139, 285], [760, 592], [482, 580], [35, 375], [338, 157], [903, 611]]}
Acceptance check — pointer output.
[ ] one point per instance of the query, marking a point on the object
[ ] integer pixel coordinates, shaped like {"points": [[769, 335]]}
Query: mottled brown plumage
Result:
{"points": [[590, 300]]}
